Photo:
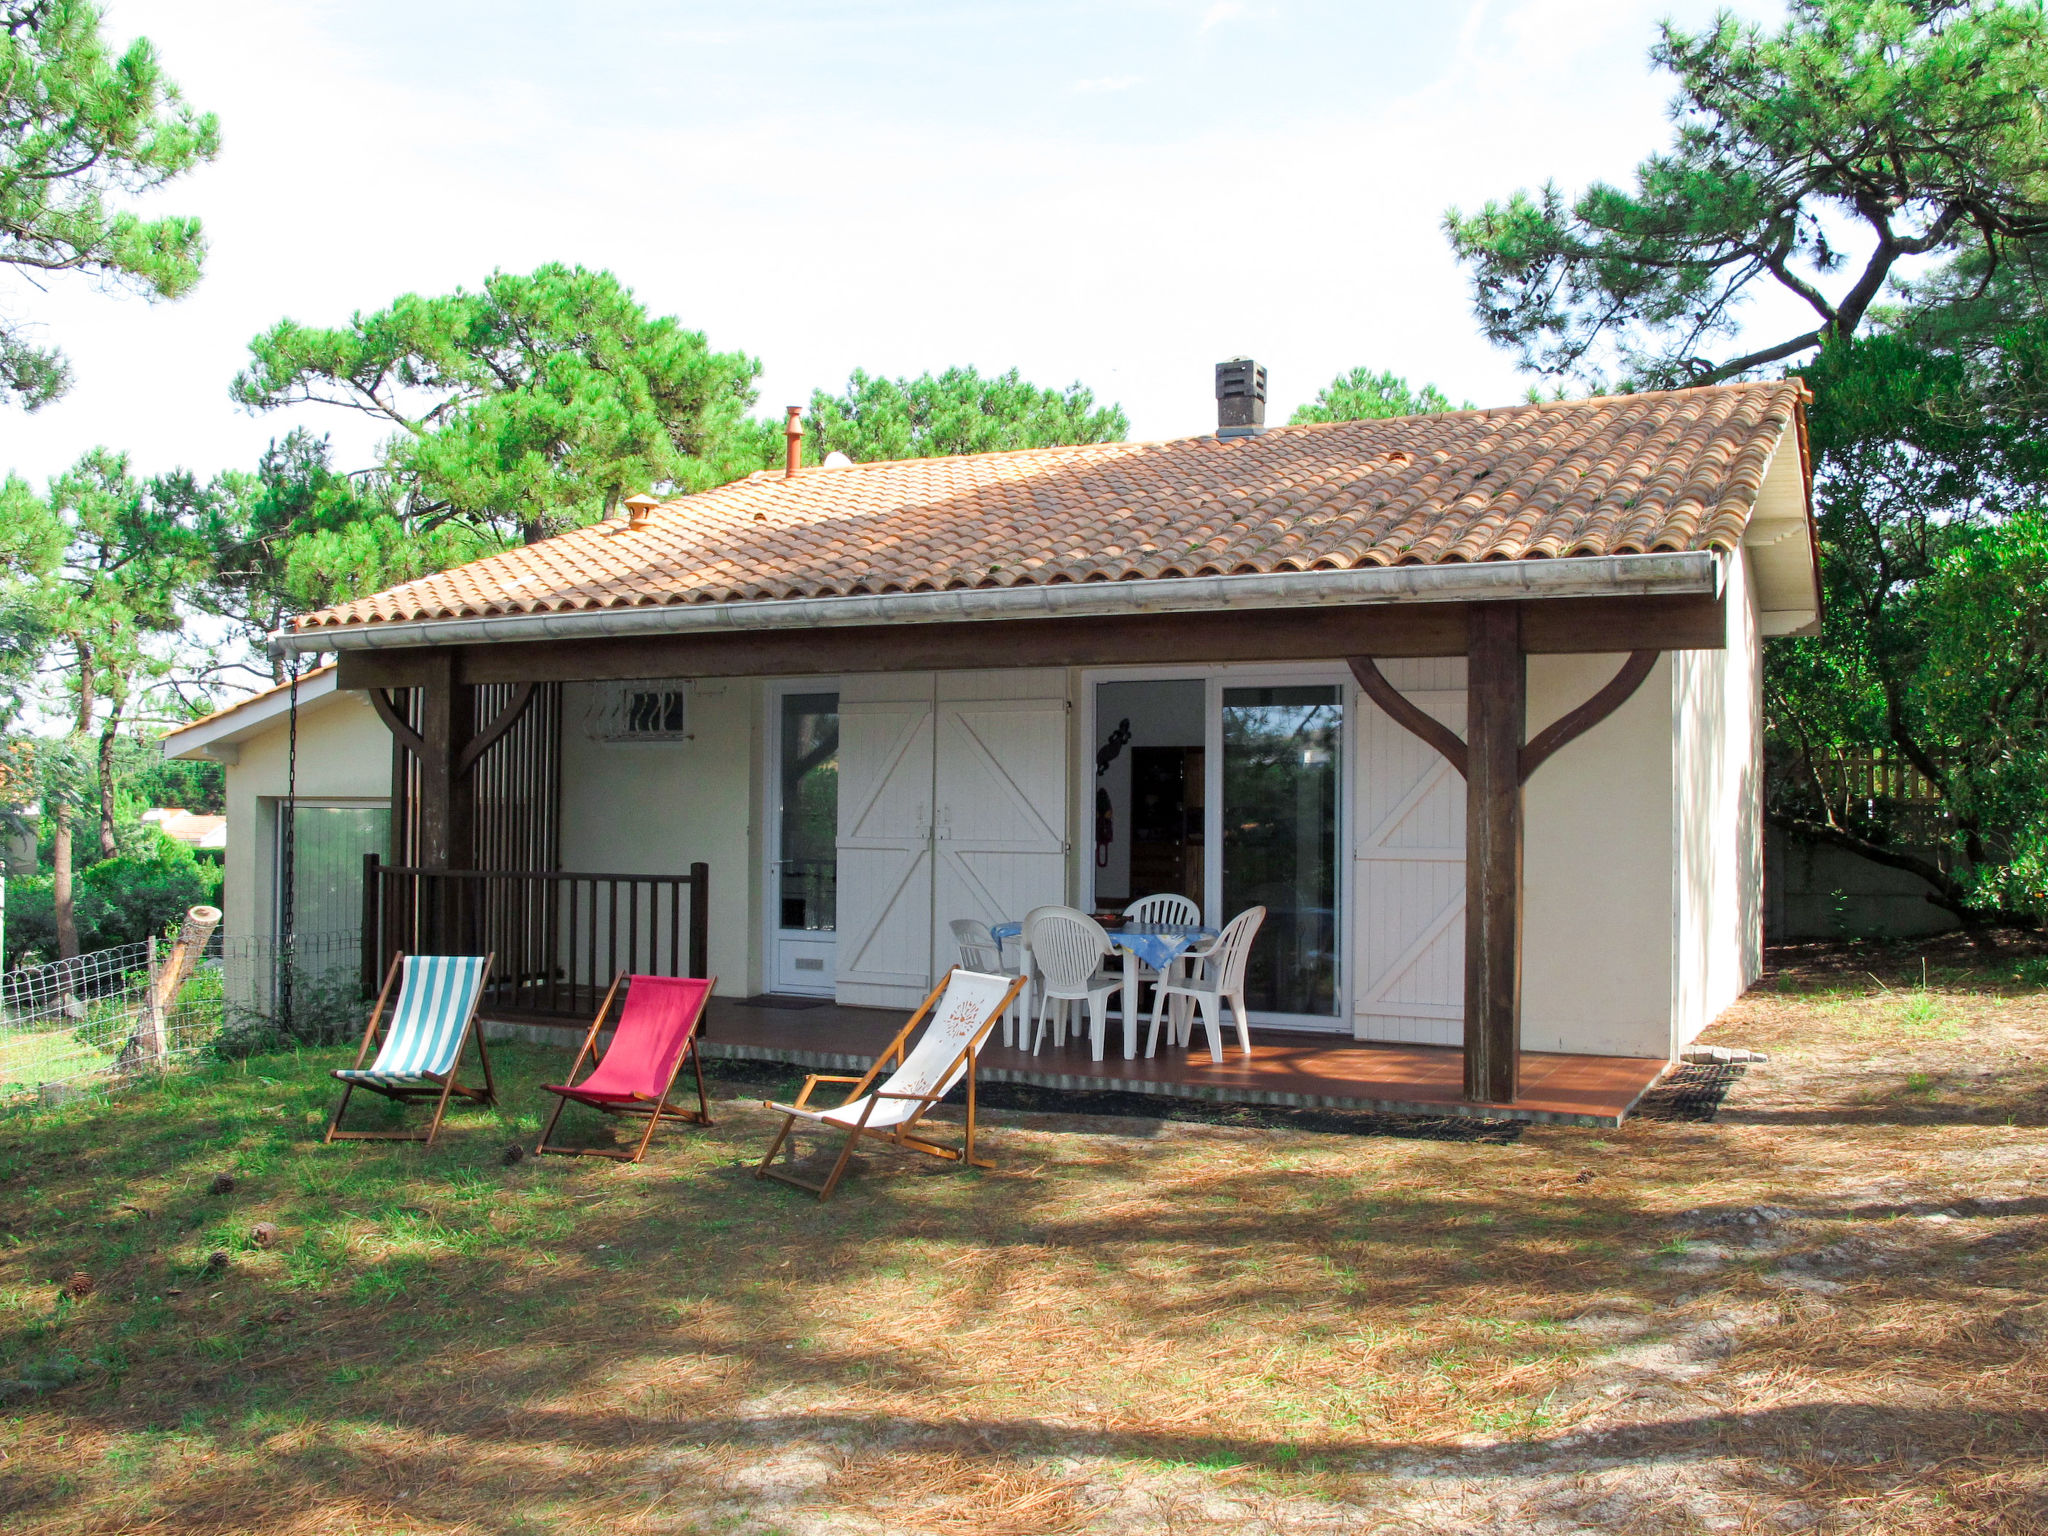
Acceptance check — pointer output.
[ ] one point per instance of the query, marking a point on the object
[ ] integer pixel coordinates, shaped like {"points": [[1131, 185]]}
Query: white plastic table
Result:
{"points": [[1156, 944]]}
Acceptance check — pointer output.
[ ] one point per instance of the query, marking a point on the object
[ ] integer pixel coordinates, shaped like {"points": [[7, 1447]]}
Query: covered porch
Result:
{"points": [[1296, 1070], [1491, 899]]}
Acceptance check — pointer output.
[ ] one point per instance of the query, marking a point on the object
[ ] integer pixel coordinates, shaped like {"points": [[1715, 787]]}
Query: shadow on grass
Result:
{"points": [[438, 1322]]}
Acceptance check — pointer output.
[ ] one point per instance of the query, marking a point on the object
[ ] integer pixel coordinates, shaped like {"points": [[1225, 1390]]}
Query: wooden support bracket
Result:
{"points": [[1405, 714], [477, 746], [408, 738], [1561, 733], [484, 740], [1619, 690]]}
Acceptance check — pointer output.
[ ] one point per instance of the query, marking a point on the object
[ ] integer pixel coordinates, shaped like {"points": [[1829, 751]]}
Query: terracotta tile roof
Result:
{"points": [[1621, 475]]}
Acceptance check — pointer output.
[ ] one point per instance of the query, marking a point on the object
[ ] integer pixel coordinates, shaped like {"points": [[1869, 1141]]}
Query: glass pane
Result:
{"points": [[328, 844], [809, 890], [1148, 819], [1280, 780]]}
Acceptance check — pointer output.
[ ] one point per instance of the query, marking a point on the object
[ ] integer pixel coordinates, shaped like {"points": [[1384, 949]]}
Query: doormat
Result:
{"points": [[1693, 1091], [787, 1004]]}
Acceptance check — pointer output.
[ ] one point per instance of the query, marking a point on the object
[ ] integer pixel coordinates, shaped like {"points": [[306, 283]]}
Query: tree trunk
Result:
{"points": [[109, 846], [60, 886]]}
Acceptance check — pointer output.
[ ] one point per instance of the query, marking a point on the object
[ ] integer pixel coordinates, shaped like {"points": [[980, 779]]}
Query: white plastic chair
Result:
{"points": [[982, 951], [1165, 907], [1215, 976], [1067, 951]]}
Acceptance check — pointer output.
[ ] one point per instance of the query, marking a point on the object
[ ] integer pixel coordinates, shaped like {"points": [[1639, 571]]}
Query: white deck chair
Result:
{"points": [[434, 1017], [962, 1009], [1067, 951], [1215, 976], [980, 950]]}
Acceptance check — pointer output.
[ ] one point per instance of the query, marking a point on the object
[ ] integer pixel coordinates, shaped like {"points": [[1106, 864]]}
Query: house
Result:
{"points": [[197, 830], [1470, 702]]}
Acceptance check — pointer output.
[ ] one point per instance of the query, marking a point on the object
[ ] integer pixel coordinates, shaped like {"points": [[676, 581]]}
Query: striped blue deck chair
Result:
{"points": [[434, 1017]]}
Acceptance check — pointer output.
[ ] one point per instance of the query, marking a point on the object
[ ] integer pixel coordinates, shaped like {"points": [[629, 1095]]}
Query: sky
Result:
{"points": [[1122, 192]]}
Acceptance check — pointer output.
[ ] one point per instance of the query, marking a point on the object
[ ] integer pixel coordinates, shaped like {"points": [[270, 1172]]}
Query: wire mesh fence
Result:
{"points": [[71, 1026]]}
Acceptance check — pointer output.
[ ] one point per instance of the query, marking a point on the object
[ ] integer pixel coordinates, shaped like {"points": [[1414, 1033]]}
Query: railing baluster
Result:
{"points": [[543, 925]]}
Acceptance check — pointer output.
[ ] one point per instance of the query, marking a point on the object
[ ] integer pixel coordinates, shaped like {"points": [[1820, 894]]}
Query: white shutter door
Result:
{"points": [[1409, 878], [885, 872], [1001, 823]]}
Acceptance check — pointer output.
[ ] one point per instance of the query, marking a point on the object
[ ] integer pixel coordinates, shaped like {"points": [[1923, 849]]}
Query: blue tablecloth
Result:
{"points": [[1157, 944]]}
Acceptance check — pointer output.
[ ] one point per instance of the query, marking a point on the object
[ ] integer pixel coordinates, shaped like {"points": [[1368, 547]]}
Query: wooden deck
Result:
{"points": [[1285, 1068]]}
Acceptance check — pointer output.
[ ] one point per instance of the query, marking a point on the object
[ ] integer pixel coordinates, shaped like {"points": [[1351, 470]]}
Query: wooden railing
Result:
{"points": [[559, 936]]}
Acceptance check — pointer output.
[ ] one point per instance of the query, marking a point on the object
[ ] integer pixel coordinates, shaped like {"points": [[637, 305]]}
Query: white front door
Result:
{"points": [[1000, 829], [952, 803], [1410, 874], [803, 870], [885, 840]]}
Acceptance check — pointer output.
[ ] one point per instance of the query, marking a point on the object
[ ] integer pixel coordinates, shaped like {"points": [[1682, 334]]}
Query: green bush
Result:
{"points": [[117, 901], [327, 1009]]}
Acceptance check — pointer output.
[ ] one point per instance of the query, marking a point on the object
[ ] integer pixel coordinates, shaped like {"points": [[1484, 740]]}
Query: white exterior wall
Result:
{"points": [[1716, 936], [1598, 870], [344, 755], [1642, 862], [656, 807]]}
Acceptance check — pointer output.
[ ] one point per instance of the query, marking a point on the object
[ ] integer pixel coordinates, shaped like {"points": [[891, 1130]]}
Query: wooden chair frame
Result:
{"points": [[450, 1086], [656, 1110], [897, 1135]]}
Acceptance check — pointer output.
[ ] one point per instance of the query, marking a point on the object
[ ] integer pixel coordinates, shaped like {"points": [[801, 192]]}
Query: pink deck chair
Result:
{"points": [[657, 1028]]}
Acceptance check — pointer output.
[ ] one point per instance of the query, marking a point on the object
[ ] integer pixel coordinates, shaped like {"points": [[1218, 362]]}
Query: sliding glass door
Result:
{"points": [[1281, 750], [1231, 791]]}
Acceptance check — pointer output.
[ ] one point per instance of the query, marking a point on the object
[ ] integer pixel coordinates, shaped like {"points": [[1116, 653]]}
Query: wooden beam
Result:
{"points": [[1496, 691], [1556, 626], [1620, 688], [446, 804], [1404, 712]]}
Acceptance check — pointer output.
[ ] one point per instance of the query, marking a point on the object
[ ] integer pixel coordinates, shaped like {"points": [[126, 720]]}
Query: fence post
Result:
{"points": [[151, 1040], [700, 920]]}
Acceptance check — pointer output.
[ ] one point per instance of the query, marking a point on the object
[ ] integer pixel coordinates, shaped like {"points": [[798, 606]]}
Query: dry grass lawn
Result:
{"points": [[1823, 1311]]}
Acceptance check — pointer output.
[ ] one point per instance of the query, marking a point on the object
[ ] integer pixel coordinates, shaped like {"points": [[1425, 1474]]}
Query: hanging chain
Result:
{"points": [[288, 850]]}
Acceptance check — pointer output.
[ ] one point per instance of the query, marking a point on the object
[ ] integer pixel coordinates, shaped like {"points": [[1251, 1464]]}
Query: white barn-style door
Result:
{"points": [[885, 840], [1409, 876], [952, 803], [1000, 829]]}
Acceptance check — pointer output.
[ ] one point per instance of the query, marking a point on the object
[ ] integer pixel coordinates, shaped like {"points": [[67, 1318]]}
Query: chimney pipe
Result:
{"points": [[1240, 398], [793, 441], [638, 509]]}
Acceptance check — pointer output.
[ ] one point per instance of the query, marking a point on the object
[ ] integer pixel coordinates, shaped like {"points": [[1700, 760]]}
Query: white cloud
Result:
{"points": [[1106, 83], [1220, 12]]}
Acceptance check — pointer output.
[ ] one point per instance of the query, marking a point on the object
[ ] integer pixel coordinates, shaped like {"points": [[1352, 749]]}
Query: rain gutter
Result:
{"points": [[1690, 573]]}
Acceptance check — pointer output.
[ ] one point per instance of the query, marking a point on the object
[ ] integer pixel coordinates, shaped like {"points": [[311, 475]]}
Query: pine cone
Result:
{"points": [[263, 1235], [514, 1154], [222, 1183], [216, 1261], [79, 1286]]}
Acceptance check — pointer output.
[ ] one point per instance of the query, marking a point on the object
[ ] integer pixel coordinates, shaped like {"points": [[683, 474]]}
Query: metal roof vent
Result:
{"points": [[1240, 398]]}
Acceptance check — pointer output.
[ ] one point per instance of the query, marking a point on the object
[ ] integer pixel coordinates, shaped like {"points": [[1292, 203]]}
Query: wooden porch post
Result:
{"points": [[447, 811], [1496, 685], [1496, 763], [447, 795]]}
